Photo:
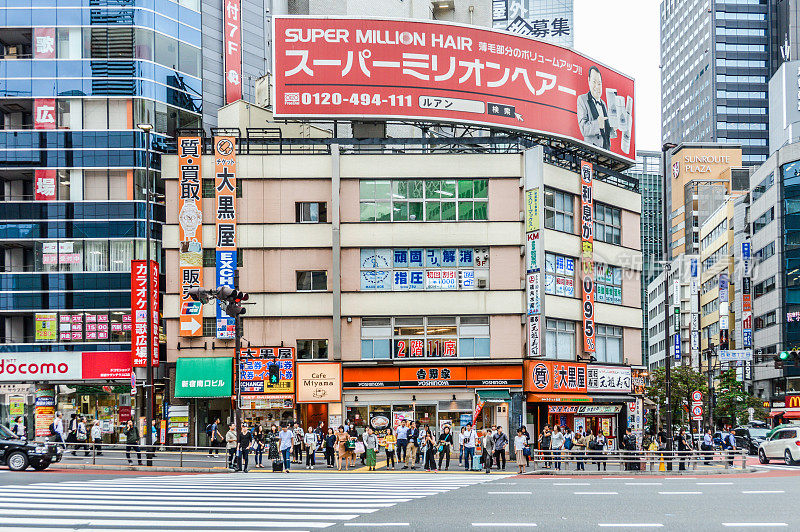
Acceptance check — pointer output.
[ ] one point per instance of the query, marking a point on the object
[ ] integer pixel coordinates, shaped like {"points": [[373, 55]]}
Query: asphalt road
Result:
{"points": [[405, 501]]}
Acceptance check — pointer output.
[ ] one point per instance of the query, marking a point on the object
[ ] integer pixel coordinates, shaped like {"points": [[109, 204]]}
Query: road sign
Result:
{"points": [[697, 396], [735, 355], [697, 412]]}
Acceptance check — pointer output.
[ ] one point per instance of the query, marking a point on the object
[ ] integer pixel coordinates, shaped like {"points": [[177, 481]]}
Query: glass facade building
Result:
{"points": [[76, 77], [648, 171], [716, 59]]}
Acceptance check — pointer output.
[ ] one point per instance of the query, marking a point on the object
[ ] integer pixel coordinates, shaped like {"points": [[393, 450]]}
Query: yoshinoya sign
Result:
{"points": [[319, 382], [65, 366], [430, 70]]}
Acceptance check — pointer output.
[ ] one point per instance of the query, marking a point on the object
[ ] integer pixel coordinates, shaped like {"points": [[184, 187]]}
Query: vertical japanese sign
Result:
{"points": [[139, 312], [44, 43], [533, 249], [587, 255], [190, 232], [694, 305], [724, 311], [676, 311], [747, 302], [44, 185], [225, 217], [233, 50], [44, 113]]}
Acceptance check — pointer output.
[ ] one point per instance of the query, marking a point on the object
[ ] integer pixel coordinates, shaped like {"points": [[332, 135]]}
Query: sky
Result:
{"points": [[624, 35]]}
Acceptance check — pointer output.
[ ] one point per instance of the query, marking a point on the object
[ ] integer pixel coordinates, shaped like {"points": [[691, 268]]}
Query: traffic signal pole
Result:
{"points": [[237, 335]]}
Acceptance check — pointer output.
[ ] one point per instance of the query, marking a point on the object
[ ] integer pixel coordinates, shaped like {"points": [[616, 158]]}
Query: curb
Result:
{"points": [[675, 472], [160, 469]]}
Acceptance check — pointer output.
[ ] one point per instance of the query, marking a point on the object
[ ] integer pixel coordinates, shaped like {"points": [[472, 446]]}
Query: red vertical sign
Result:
{"points": [[44, 43], [44, 113], [233, 50], [45, 185], [139, 312], [587, 255]]}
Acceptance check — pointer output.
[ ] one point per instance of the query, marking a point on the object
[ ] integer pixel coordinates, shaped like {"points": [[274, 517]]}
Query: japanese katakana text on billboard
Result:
{"points": [[379, 68]]}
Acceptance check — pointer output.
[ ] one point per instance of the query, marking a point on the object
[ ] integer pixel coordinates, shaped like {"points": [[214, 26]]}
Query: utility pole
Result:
{"points": [[667, 245]]}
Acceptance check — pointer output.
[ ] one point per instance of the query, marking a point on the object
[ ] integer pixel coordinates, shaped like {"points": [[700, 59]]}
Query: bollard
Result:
{"points": [[181, 456]]}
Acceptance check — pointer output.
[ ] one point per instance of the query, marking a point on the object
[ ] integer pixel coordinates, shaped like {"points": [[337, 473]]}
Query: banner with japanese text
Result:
{"points": [[139, 312], [587, 256], [44, 184], [233, 49], [44, 43], [430, 70], [190, 232], [225, 219], [44, 113]]}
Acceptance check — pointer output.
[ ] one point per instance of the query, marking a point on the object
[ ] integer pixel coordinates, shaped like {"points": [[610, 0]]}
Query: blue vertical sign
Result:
{"points": [[677, 346], [226, 268]]}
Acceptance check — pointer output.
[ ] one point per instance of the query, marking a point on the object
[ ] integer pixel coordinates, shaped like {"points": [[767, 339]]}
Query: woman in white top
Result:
{"points": [[519, 447], [97, 437], [310, 442]]}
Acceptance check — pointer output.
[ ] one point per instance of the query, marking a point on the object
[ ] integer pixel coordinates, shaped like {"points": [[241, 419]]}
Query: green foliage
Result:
{"points": [[684, 380], [733, 401]]}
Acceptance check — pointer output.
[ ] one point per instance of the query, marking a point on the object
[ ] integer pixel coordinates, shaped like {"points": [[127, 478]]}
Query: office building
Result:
{"points": [[699, 178], [76, 78], [716, 59], [647, 171], [784, 106], [336, 239]]}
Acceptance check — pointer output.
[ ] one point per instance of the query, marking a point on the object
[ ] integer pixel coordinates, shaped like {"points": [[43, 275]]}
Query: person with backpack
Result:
{"points": [[214, 436], [470, 440], [729, 445], [500, 443], [57, 428], [132, 442], [82, 437]]}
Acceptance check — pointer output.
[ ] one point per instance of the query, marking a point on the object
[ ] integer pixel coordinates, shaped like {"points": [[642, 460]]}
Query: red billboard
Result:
{"points": [[429, 70], [139, 312]]}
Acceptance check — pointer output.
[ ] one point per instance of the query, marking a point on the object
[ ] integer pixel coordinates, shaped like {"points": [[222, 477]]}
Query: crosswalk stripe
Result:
{"points": [[212, 502]]}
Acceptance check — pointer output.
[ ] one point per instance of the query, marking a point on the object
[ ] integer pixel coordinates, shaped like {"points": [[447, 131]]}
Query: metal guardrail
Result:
{"points": [[120, 454], [638, 460]]}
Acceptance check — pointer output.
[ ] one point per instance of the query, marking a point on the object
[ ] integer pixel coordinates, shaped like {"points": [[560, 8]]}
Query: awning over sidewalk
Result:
{"points": [[791, 415], [494, 396], [775, 413], [204, 377]]}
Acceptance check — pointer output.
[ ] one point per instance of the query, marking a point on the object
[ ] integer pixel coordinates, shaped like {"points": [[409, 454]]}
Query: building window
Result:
{"points": [[765, 320], [208, 188], [715, 233], [560, 339], [608, 344], [312, 349], [608, 284], [763, 186], [559, 211], [559, 277], [425, 337], [424, 268], [417, 200], [312, 281], [210, 327], [716, 256], [607, 224], [210, 258], [764, 287], [765, 252], [311, 212]]}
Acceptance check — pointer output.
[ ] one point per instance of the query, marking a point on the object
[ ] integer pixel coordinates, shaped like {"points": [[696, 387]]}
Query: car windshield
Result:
{"points": [[5, 433], [758, 433]]}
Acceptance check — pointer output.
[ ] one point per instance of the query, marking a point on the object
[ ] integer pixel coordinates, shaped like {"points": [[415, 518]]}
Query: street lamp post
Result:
{"points": [[667, 242], [148, 388]]}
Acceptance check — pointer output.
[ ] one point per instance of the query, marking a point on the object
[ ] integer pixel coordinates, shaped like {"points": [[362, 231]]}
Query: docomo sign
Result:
{"points": [[379, 68]]}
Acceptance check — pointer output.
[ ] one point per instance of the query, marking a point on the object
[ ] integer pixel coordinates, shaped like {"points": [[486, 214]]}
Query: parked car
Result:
{"points": [[18, 454], [749, 438], [783, 444]]}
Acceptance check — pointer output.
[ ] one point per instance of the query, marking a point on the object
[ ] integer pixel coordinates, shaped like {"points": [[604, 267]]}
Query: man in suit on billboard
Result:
{"points": [[593, 113]]}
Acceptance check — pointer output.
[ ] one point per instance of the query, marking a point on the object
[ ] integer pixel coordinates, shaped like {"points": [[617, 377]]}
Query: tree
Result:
{"points": [[733, 401], [684, 380]]}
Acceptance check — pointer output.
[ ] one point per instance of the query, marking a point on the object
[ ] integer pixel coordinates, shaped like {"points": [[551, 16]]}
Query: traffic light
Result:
{"points": [[231, 300], [274, 374], [783, 355], [199, 294]]}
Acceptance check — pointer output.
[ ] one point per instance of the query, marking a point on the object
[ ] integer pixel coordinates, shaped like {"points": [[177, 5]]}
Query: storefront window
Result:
{"points": [[560, 340], [426, 415], [358, 415], [420, 337]]}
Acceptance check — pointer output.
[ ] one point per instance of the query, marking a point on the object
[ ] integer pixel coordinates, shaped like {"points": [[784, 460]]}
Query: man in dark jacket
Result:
{"points": [[132, 442], [412, 450], [245, 441]]}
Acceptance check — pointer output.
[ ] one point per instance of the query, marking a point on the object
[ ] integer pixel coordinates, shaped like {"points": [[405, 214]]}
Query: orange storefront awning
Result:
{"points": [[791, 415], [558, 398], [775, 413]]}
